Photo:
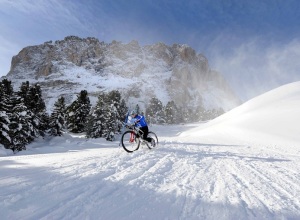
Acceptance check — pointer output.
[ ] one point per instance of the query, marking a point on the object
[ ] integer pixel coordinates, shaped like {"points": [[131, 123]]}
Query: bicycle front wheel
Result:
{"points": [[129, 141]]}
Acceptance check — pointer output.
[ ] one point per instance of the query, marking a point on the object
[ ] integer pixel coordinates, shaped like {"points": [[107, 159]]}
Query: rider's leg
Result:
{"points": [[145, 136]]}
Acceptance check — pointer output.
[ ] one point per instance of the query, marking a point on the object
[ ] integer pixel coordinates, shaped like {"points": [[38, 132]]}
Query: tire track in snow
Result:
{"points": [[244, 185], [241, 191], [275, 188], [181, 181], [199, 181], [258, 190], [73, 172]]}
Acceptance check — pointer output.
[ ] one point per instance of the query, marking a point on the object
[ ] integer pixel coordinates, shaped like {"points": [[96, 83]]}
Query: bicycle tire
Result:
{"points": [[129, 141], [152, 135]]}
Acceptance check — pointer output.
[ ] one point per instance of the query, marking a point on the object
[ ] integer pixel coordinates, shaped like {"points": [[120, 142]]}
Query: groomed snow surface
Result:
{"points": [[242, 165]]}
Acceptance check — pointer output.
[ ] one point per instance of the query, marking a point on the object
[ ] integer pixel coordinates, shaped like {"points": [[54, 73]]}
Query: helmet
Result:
{"points": [[133, 112]]}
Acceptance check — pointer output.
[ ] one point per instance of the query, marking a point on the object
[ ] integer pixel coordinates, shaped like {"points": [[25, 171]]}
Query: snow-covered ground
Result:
{"points": [[242, 165]]}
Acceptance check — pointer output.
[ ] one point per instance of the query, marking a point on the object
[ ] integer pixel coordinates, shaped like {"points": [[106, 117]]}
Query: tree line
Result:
{"points": [[157, 113], [23, 115]]}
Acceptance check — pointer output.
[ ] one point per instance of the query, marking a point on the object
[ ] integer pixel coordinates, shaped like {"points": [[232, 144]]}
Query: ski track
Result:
{"points": [[174, 181]]}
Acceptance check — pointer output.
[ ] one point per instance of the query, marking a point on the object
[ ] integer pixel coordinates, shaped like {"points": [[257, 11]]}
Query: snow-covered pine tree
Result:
{"points": [[20, 127], [119, 109], [106, 117], [77, 113], [187, 115], [32, 96], [95, 121], [171, 112], [155, 111], [40, 119], [24, 90], [199, 111], [4, 129], [91, 129], [57, 118], [213, 113], [112, 103], [5, 139], [7, 87], [122, 112]]}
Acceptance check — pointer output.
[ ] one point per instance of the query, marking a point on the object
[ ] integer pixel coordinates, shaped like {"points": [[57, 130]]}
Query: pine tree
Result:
{"points": [[36, 105], [32, 98], [155, 111], [95, 121], [106, 117], [77, 113], [122, 112], [7, 87], [24, 93], [171, 112], [20, 126], [111, 104], [199, 113], [187, 115], [92, 131], [57, 119], [5, 139], [179, 117]]}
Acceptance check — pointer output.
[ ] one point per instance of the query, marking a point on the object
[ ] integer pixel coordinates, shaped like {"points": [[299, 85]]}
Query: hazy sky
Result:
{"points": [[255, 44]]}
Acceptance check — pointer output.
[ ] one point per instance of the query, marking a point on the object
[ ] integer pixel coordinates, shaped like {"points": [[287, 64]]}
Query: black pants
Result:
{"points": [[145, 135]]}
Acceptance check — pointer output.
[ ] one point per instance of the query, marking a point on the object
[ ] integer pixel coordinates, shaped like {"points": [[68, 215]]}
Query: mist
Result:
{"points": [[255, 67]]}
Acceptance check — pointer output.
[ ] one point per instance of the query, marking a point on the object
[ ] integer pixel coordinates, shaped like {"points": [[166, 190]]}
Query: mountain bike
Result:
{"points": [[132, 139]]}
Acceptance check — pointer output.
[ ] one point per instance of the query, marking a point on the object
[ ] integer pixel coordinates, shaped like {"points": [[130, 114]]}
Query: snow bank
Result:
{"points": [[271, 118], [5, 152]]}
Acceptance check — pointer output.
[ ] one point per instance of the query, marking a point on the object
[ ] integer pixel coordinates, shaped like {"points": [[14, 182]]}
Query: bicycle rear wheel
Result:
{"points": [[152, 135], [129, 141]]}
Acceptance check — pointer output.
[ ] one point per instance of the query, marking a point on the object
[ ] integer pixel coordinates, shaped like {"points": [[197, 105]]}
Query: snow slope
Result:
{"points": [[242, 165], [273, 117]]}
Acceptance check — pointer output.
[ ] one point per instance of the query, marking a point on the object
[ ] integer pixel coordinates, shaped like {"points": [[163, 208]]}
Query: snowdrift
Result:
{"points": [[271, 118]]}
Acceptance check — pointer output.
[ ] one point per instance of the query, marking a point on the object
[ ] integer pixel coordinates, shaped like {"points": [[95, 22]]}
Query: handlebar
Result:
{"points": [[132, 127], [129, 126]]}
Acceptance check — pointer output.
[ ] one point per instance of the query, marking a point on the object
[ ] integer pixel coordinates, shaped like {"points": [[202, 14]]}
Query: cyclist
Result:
{"points": [[140, 122]]}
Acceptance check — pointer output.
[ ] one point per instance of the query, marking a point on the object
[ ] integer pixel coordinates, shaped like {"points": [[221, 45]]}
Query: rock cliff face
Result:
{"points": [[174, 72]]}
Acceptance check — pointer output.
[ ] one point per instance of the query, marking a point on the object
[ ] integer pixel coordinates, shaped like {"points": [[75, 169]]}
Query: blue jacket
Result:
{"points": [[139, 120]]}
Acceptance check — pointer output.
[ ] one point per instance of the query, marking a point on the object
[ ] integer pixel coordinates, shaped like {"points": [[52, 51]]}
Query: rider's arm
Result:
{"points": [[132, 121], [136, 121]]}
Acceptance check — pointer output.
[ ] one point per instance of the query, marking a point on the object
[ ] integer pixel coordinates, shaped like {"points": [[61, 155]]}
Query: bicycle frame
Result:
{"points": [[135, 136], [136, 133]]}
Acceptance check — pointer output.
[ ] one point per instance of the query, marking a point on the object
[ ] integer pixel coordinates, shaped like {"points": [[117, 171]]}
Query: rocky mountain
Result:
{"points": [[177, 72]]}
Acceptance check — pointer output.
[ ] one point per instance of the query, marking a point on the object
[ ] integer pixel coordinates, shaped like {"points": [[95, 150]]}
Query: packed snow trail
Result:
{"points": [[176, 180]]}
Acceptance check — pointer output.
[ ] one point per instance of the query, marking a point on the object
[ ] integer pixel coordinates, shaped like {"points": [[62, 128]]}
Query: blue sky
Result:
{"points": [[255, 44]]}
